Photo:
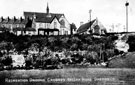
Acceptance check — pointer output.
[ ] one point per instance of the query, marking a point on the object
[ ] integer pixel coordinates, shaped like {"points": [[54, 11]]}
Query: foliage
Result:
{"points": [[84, 46], [7, 60], [55, 43], [74, 47], [92, 57], [96, 48], [110, 53], [6, 46], [88, 40], [65, 42], [73, 28], [131, 42]]}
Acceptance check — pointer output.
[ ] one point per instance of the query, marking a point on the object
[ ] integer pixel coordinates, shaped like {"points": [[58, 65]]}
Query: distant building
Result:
{"points": [[13, 25], [35, 23], [94, 27]]}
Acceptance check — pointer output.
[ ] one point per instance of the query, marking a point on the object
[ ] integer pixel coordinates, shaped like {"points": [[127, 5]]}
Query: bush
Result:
{"points": [[131, 42], [92, 57], [7, 61]]}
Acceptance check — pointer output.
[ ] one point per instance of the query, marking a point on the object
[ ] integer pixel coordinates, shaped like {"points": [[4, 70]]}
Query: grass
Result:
{"points": [[121, 73], [126, 61], [124, 75]]}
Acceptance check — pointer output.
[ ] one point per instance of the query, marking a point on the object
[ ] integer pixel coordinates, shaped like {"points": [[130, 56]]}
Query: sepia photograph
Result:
{"points": [[67, 42]]}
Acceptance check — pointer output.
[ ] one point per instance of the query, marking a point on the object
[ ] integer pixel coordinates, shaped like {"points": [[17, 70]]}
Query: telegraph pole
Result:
{"points": [[127, 4]]}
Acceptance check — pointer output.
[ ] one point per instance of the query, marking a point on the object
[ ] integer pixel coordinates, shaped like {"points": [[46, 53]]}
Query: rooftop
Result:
{"points": [[43, 17]]}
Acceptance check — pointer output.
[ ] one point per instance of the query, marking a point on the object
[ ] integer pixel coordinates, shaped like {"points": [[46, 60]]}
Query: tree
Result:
{"points": [[94, 47], [92, 57], [73, 28], [6, 45], [131, 42], [88, 40], [74, 47], [7, 60], [84, 46], [51, 42], [75, 40]]}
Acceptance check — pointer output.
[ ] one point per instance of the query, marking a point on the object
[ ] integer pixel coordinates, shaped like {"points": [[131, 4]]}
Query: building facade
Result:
{"points": [[13, 25], [36, 23]]}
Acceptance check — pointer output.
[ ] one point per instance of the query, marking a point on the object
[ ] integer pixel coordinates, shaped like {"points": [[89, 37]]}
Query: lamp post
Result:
{"points": [[90, 20], [127, 4]]}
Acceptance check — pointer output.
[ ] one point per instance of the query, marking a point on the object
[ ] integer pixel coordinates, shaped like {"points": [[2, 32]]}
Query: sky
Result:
{"points": [[111, 13]]}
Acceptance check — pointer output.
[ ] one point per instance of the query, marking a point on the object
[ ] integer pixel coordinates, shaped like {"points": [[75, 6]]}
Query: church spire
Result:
{"points": [[47, 9]]}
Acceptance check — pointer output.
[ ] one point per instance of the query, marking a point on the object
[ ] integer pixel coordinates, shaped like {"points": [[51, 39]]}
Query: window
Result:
{"points": [[33, 25], [10, 25], [45, 26], [13, 25], [3, 25], [66, 32], [7, 25], [55, 24], [40, 25], [48, 25], [17, 25], [62, 22]]}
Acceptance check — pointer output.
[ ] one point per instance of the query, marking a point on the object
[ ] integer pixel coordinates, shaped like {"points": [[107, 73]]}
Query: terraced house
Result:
{"points": [[36, 23], [15, 25]]}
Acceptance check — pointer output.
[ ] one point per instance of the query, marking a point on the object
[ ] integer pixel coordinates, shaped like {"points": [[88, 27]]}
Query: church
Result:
{"points": [[36, 23], [92, 27], [48, 23]]}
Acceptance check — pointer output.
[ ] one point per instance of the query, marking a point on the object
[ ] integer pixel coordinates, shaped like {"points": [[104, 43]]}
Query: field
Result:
{"points": [[69, 76]]}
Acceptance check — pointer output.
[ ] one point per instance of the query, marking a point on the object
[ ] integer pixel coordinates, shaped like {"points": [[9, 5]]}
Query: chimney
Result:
{"points": [[15, 18], [81, 23], [2, 19], [21, 19], [8, 19]]}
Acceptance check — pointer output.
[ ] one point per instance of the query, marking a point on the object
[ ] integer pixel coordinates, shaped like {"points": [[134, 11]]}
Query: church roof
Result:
{"points": [[93, 24], [43, 17], [85, 27]]}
